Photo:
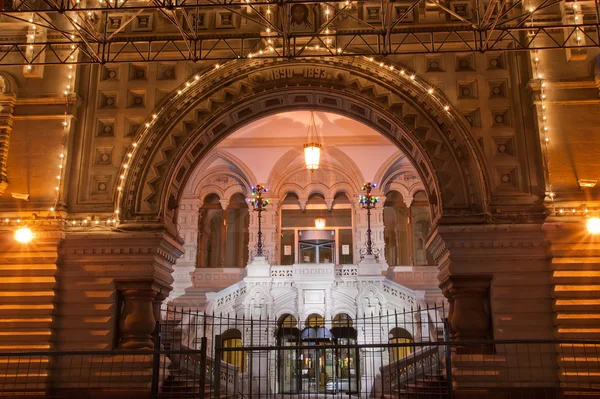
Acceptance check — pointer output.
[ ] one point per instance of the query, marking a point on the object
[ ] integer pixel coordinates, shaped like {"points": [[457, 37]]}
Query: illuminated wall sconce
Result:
{"points": [[24, 235], [320, 223], [593, 225]]}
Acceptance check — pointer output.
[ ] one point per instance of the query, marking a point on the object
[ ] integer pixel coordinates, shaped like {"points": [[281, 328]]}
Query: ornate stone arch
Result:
{"points": [[426, 129]]}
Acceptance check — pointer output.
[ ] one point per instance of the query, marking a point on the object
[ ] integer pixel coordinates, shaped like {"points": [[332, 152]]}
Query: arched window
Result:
{"points": [[406, 230], [396, 230], [421, 224], [400, 336], [233, 339], [315, 320], [238, 220], [210, 226], [223, 234]]}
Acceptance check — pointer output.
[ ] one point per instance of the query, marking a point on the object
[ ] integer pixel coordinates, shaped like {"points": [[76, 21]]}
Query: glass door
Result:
{"points": [[317, 370], [316, 253]]}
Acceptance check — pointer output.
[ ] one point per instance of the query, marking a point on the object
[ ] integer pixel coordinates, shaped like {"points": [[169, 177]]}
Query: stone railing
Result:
{"points": [[224, 297], [282, 271], [346, 271], [400, 293]]}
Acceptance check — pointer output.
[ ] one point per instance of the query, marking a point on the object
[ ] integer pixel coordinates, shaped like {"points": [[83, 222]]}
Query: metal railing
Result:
{"points": [[210, 356]]}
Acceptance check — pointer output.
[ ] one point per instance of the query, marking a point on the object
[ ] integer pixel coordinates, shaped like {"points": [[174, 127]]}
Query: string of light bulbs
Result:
{"points": [[593, 223], [130, 151], [543, 118]]}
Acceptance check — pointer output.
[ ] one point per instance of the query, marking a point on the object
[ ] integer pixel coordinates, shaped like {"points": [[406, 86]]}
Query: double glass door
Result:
{"points": [[316, 252], [318, 370]]}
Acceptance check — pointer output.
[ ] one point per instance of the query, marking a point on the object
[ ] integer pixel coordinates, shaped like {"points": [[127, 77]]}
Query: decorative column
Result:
{"points": [[110, 287], [138, 315], [409, 231], [497, 281], [222, 256], [7, 106], [187, 220], [469, 315], [127, 272]]}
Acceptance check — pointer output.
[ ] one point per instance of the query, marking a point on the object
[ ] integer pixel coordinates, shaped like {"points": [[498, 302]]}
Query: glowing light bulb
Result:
{"points": [[23, 235], [593, 225], [430, 91], [446, 107]]}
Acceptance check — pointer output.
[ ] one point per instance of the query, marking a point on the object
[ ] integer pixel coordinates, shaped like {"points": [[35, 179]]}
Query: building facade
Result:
{"points": [[131, 137]]}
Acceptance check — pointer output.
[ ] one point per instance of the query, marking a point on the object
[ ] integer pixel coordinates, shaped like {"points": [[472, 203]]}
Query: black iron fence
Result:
{"points": [[406, 354]]}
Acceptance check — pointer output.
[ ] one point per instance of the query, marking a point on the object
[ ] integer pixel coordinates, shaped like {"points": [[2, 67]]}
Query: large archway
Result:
{"points": [[401, 107]]}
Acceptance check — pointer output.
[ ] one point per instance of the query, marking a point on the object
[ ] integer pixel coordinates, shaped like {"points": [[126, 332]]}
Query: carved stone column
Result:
{"points": [[116, 276], [469, 317], [139, 311], [496, 278], [224, 205], [7, 104], [185, 265]]}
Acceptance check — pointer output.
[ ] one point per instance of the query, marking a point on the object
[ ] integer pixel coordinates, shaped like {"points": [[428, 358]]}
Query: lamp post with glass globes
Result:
{"points": [[368, 202], [259, 204]]}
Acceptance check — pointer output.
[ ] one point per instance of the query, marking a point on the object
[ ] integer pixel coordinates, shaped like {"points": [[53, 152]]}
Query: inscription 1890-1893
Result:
{"points": [[287, 73]]}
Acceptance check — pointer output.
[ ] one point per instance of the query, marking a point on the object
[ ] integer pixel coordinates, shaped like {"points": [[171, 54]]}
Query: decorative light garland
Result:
{"points": [[133, 147], [593, 222]]}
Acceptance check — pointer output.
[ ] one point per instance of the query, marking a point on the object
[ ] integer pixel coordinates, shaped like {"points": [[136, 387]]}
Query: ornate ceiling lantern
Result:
{"points": [[312, 148]]}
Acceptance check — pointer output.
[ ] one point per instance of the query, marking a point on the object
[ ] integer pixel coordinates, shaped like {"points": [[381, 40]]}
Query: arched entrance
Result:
{"points": [[205, 110]]}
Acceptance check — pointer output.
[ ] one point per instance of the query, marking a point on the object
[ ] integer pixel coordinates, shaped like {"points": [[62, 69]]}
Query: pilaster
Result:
{"points": [[497, 280], [7, 104], [94, 267], [184, 266]]}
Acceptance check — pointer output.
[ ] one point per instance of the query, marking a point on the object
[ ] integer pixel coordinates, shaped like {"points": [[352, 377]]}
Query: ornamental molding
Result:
{"points": [[436, 140]]}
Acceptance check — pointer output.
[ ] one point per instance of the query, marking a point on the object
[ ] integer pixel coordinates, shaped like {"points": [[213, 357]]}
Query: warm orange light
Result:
{"points": [[593, 225], [23, 235], [312, 155], [320, 223]]}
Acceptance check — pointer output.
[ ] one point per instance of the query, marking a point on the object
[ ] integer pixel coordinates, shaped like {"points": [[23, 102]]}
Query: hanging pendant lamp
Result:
{"points": [[312, 148]]}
